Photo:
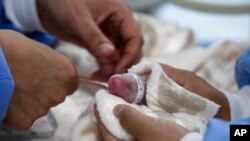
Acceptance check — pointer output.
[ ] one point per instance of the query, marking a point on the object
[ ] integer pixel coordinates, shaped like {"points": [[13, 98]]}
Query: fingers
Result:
{"points": [[105, 135], [121, 28], [135, 122], [93, 37], [105, 71], [145, 128], [170, 71], [107, 29], [199, 86], [98, 44], [132, 41], [179, 76], [130, 55]]}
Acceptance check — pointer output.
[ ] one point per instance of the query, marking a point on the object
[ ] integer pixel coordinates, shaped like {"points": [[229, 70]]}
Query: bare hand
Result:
{"points": [[105, 27], [145, 128], [196, 84], [142, 127], [43, 78]]}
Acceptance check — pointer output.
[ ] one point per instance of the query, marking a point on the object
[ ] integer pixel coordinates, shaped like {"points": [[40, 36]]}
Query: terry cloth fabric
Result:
{"points": [[105, 104], [165, 100], [164, 94]]}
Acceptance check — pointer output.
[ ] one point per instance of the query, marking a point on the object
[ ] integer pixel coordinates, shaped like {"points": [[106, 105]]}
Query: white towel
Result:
{"points": [[164, 94], [165, 99]]}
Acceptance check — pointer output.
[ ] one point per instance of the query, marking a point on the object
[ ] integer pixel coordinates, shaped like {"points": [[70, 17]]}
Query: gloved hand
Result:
{"points": [[105, 27], [43, 78]]}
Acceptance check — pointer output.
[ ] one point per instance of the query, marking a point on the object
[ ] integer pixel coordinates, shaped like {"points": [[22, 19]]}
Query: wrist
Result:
{"points": [[224, 111]]}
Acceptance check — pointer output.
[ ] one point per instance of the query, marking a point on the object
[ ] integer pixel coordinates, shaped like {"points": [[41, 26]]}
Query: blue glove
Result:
{"points": [[242, 69]]}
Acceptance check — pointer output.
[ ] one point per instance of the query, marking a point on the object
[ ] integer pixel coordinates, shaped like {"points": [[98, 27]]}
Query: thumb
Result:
{"points": [[94, 39], [134, 122]]}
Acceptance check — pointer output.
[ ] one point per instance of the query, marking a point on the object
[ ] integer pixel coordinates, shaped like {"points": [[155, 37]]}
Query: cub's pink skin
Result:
{"points": [[125, 86]]}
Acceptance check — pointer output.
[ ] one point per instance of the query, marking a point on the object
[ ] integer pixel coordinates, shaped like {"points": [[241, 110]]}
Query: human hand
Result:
{"points": [[142, 127], [43, 78], [196, 84], [106, 28]]}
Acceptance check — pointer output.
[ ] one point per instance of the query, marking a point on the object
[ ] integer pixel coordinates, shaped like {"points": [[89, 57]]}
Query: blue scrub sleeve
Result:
{"points": [[219, 130], [242, 69], [6, 86]]}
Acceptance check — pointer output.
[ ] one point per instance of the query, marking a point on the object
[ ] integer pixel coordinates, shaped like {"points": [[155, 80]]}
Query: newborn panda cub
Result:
{"points": [[128, 86]]}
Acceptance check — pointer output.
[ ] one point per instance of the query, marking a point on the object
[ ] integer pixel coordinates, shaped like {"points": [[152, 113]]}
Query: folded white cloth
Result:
{"points": [[162, 93], [165, 99]]}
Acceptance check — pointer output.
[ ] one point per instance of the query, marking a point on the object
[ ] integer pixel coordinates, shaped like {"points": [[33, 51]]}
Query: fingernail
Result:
{"points": [[117, 110], [106, 49]]}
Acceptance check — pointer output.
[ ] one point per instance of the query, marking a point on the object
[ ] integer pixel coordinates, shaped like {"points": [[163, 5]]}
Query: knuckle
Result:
{"points": [[93, 35], [71, 80], [42, 111], [124, 114], [57, 99], [25, 123], [141, 41], [188, 75]]}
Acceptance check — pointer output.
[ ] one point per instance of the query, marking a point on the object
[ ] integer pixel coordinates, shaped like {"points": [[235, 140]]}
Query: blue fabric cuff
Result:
{"points": [[219, 130], [43, 37], [7, 86], [242, 69]]}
